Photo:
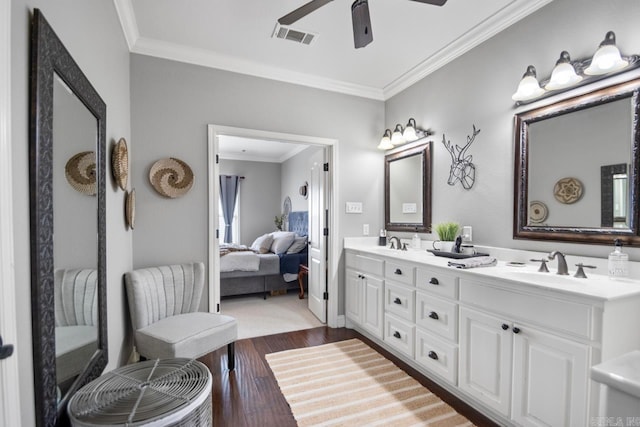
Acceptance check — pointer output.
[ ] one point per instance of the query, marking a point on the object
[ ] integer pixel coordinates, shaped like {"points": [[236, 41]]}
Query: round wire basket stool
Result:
{"points": [[168, 392]]}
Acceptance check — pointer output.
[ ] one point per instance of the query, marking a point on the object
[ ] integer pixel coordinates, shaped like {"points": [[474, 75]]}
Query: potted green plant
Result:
{"points": [[279, 221], [447, 233]]}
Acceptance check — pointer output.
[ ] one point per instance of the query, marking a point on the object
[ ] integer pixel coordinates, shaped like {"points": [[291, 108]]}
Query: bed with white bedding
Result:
{"points": [[270, 263]]}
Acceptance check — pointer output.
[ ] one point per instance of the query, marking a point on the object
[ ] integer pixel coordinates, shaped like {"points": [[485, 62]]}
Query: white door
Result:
{"points": [[373, 305], [353, 296], [550, 383], [317, 238], [486, 344]]}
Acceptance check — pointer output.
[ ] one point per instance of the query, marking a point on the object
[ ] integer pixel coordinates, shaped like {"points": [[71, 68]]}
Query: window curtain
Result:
{"points": [[229, 185]]}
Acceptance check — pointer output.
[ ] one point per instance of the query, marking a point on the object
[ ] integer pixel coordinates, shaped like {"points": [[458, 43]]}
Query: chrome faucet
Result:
{"points": [[397, 240], [562, 263]]}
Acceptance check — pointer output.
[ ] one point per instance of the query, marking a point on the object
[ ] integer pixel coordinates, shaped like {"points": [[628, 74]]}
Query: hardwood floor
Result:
{"points": [[249, 395]]}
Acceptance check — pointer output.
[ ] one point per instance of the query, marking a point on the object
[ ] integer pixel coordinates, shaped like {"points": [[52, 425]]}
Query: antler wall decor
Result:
{"points": [[461, 167]]}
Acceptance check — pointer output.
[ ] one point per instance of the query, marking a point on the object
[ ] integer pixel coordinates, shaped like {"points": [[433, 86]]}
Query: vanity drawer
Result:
{"points": [[399, 333], [562, 315], [399, 300], [365, 264], [437, 282], [403, 273], [437, 355], [437, 315]]}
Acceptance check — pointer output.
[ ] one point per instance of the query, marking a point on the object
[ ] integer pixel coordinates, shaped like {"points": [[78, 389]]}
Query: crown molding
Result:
{"points": [[508, 16]]}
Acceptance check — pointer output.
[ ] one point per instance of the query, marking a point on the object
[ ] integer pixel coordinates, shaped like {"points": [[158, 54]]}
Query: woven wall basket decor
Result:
{"points": [[171, 177], [130, 208], [80, 172], [120, 163]]}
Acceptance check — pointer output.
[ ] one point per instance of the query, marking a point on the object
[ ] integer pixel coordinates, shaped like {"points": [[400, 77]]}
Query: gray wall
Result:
{"points": [[476, 89], [172, 103], [259, 196], [295, 172], [91, 32]]}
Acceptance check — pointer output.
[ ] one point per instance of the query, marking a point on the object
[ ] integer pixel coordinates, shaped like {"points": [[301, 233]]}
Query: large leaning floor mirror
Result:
{"points": [[577, 162], [67, 197]]}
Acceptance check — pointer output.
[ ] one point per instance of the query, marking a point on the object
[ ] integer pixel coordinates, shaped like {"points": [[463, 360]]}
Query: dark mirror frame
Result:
{"points": [[597, 235], [49, 57], [417, 148]]}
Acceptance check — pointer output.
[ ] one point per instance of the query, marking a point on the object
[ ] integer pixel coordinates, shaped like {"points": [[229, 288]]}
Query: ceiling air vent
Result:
{"points": [[298, 36]]}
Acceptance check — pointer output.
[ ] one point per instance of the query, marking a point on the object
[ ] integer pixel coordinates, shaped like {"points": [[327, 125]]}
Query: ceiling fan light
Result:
{"points": [[409, 133], [563, 75], [396, 137], [385, 142], [607, 58], [528, 88]]}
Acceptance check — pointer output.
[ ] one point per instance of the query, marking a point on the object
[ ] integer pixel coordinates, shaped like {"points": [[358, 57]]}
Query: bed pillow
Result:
{"points": [[262, 244], [281, 241], [299, 243]]}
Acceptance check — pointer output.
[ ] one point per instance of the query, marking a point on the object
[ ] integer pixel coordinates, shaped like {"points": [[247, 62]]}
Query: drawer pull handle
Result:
{"points": [[397, 334], [433, 355], [505, 326], [434, 281], [397, 301], [434, 315], [516, 330], [398, 271]]}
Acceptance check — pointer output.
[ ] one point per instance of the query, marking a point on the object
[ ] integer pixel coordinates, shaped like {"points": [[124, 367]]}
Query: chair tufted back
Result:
{"points": [[158, 292], [76, 297]]}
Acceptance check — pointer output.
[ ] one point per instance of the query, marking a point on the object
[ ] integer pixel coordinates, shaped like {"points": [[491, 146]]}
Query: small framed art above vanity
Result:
{"points": [[576, 168]]}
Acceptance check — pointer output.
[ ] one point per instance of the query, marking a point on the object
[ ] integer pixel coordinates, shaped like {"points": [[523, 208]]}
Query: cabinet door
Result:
{"points": [[372, 311], [550, 380], [353, 296], [485, 358]]}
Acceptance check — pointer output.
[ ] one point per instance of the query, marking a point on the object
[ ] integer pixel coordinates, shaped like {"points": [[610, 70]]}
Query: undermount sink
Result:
{"points": [[535, 276]]}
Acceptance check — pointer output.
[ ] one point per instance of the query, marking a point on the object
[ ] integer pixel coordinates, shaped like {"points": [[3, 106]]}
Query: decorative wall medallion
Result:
{"points": [[568, 190], [130, 208], [462, 168], [304, 190], [286, 206], [171, 177], [80, 172], [120, 163], [538, 212]]}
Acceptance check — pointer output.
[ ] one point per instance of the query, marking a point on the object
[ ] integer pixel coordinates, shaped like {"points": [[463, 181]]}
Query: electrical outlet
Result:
{"points": [[365, 229]]}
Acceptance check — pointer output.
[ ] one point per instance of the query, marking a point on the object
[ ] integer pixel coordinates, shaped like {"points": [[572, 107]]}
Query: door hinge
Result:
{"points": [[325, 167], [217, 159], [325, 231], [218, 308], [325, 296], [217, 234]]}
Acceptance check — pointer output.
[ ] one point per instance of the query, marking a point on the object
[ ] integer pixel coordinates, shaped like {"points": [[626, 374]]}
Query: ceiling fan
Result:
{"points": [[362, 34]]}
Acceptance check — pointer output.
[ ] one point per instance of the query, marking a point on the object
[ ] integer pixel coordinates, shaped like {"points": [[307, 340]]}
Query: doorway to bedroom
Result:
{"points": [[269, 191]]}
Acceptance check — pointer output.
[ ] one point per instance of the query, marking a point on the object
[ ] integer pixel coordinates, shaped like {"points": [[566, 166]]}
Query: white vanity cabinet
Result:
{"points": [[534, 375], [364, 292]]}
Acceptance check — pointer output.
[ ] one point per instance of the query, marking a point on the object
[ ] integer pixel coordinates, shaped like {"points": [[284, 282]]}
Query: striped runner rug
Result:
{"points": [[349, 384]]}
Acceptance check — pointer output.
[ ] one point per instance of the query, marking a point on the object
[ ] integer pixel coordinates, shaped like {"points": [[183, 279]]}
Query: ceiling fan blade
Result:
{"points": [[362, 33], [302, 11], [433, 2]]}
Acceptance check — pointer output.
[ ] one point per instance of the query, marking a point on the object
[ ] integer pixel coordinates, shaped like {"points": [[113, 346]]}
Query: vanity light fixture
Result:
{"points": [[411, 132], [607, 58], [564, 74], [529, 88], [385, 142], [567, 73]]}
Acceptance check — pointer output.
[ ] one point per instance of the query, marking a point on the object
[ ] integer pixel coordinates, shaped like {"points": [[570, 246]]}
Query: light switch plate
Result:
{"points": [[353, 207], [365, 229]]}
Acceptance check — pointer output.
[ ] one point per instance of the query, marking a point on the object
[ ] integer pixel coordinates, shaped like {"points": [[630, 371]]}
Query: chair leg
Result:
{"points": [[231, 355]]}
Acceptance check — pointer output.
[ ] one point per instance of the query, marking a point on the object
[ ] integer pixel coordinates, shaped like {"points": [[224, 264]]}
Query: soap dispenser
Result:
{"points": [[618, 261]]}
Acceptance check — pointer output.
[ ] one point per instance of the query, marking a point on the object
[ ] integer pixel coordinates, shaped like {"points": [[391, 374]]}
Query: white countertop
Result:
{"points": [[597, 286], [621, 373]]}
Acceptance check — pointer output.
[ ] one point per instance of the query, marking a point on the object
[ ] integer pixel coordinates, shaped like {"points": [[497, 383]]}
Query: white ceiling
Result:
{"points": [[256, 150], [410, 39]]}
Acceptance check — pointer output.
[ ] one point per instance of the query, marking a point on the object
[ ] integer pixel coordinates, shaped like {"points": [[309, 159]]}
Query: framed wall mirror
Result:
{"points": [[577, 168], [407, 183], [67, 198]]}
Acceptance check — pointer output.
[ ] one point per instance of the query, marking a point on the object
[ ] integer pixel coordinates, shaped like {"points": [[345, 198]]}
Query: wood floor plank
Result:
{"points": [[249, 395]]}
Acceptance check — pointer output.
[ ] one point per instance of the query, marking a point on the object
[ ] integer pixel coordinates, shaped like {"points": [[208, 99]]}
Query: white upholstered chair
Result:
{"points": [[163, 302]]}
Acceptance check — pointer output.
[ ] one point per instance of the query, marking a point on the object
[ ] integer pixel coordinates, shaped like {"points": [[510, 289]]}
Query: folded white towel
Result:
{"points": [[481, 261]]}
